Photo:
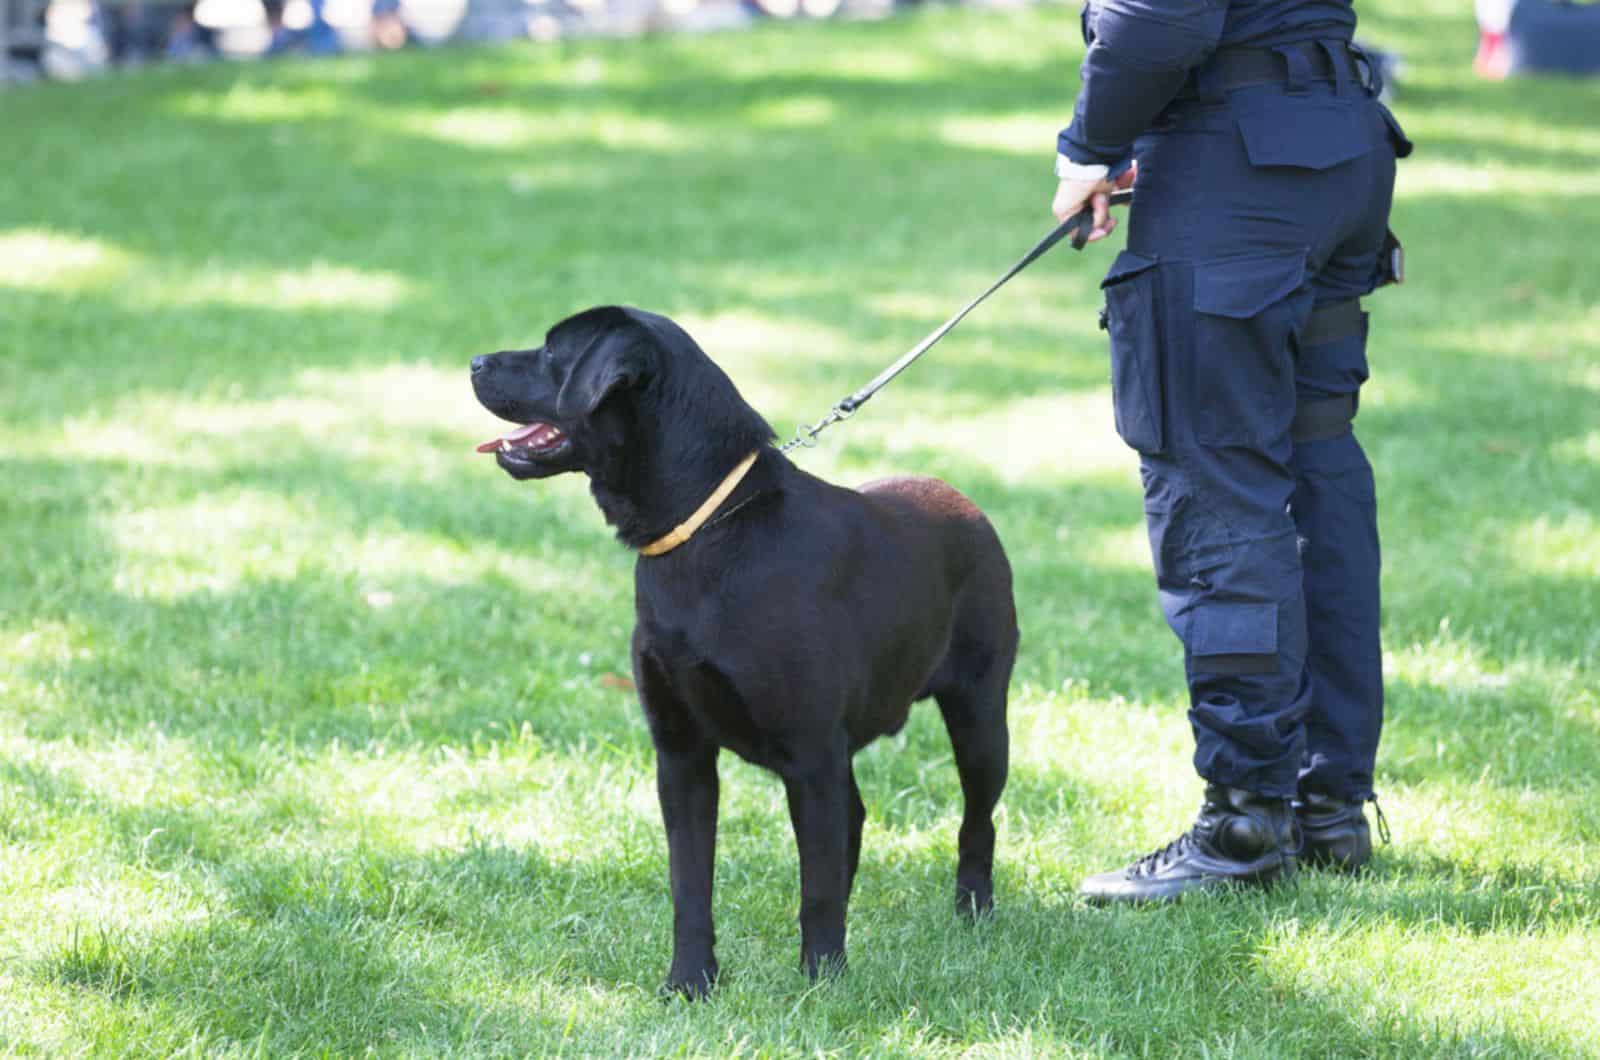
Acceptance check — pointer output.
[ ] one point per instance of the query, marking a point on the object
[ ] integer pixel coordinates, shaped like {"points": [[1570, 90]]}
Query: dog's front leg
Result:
{"points": [[819, 792], [686, 782]]}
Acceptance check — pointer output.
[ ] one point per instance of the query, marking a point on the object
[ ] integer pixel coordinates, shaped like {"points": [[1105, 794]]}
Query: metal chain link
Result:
{"points": [[805, 437]]}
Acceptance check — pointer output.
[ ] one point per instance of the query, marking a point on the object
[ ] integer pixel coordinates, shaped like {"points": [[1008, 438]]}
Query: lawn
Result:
{"points": [[313, 738]]}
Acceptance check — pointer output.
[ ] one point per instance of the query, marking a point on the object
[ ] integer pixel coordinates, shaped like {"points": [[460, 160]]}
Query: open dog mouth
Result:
{"points": [[533, 439]]}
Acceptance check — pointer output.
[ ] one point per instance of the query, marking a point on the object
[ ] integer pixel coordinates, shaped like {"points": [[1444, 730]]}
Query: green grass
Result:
{"points": [[308, 738]]}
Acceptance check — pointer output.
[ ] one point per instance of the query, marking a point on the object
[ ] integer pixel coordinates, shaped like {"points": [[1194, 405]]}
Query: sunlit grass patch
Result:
{"points": [[1560, 336], [1568, 545], [503, 127], [793, 112], [1019, 134], [1433, 177], [1586, 447], [1047, 438], [754, 347], [1381, 978], [262, 102], [45, 260], [315, 285]]}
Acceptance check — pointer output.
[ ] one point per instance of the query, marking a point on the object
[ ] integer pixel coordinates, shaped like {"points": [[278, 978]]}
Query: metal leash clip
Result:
{"points": [[806, 437]]}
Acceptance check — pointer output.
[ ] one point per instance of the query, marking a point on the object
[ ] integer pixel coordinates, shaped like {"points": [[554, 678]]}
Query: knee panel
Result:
{"points": [[1230, 594]]}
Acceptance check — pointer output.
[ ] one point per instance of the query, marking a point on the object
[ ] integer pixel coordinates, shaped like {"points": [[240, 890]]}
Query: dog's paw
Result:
{"points": [[974, 902], [695, 985], [823, 965]]}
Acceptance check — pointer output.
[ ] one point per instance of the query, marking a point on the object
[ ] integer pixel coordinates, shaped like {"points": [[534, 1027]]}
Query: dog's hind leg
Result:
{"points": [[975, 717], [820, 791]]}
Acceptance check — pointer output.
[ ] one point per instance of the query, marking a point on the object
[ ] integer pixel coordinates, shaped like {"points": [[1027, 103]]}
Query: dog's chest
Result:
{"points": [[699, 692]]}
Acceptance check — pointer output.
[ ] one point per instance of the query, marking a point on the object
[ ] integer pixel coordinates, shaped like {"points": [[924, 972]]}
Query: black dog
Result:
{"points": [[786, 619]]}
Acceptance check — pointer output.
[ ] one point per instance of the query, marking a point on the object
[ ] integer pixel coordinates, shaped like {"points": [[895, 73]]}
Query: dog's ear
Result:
{"points": [[616, 357]]}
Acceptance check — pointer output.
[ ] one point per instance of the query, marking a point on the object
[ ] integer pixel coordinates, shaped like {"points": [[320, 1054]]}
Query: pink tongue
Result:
{"points": [[514, 437]]}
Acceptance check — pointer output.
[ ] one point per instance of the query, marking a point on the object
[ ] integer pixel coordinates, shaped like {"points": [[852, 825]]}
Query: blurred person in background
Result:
{"points": [[140, 32], [318, 37], [135, 32], [389, 29], [1263, 167], [1537, 36], [189, 40]]}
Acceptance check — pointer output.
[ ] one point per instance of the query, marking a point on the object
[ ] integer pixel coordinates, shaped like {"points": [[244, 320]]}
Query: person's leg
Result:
{"points": [[1205, 309], [1203, 380], [1335, 512]]}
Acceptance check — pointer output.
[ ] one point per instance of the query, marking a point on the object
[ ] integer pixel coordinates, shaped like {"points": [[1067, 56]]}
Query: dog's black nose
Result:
{"points": [[479, 364]]}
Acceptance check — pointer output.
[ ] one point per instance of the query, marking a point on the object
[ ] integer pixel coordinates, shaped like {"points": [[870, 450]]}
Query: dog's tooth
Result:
{"points": [[505, 446]]}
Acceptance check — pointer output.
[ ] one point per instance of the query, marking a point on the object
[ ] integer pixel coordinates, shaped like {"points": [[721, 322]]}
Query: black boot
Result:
{"points": [[1239, 837], [1336, 833]]}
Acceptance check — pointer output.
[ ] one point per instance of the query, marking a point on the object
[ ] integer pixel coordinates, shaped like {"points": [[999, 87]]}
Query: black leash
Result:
{"points": [[1079, 225]]}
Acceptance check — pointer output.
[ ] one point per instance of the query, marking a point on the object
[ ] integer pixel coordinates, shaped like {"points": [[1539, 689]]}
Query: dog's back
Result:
{"points": [[983, 621], [971, 546]]}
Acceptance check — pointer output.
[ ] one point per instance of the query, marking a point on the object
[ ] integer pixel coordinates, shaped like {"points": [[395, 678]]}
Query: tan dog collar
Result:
{"points": [[686, 529]]}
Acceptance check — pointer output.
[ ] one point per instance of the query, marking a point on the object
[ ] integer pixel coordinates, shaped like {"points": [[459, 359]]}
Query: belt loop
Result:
{"points": [[1299, 67], [1366, 69], [1335, 50]]}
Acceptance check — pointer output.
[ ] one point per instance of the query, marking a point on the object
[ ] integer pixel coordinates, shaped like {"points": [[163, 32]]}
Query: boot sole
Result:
{"points": [[1261, 876]]}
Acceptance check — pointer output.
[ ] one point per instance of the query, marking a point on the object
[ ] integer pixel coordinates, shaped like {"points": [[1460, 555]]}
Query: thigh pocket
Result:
{"points": [[1233, 638], [1246, 310], [1134, 319]]}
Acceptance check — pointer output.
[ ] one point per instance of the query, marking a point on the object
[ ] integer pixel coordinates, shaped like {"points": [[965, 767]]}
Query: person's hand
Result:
{"points": [[1074, 195]]}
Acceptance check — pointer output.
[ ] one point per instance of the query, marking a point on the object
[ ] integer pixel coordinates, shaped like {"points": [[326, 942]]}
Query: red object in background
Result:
{"points": [[1493, 60]]}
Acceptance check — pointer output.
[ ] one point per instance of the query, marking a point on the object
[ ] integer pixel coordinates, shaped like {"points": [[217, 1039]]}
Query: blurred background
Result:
{"points": [[72, 38]]}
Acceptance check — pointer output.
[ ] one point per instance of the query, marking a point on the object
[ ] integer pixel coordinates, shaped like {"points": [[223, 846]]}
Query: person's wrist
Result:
{"points": [[1067, 169]]}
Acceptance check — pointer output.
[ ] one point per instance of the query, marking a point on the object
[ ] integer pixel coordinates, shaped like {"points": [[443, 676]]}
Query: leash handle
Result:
{"points": [[1079, 225]]}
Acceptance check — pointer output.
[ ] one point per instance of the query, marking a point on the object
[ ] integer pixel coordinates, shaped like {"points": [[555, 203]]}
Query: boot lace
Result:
{"points": [[1157, 860], [1383, 822]]}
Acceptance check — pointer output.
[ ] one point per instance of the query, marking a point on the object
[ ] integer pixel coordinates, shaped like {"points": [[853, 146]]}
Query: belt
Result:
{"points": [[1291, 64]]}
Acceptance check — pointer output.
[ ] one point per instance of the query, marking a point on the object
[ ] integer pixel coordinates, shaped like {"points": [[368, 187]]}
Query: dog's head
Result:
{"points": [[611, 388], [555, 392]]}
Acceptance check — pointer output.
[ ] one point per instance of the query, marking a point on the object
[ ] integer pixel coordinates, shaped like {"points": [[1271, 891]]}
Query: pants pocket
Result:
{"points": [[1133, 316], [1246, 311], [1229, 638]]}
